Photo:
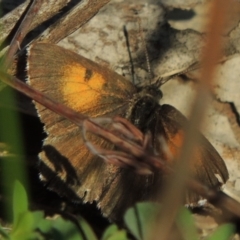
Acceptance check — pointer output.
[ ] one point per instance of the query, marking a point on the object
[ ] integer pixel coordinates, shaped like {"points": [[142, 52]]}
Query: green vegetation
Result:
{"points": [[140, 221]]}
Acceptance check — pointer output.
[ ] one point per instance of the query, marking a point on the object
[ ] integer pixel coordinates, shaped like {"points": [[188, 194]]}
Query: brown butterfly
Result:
{"points": [[69, 168]]}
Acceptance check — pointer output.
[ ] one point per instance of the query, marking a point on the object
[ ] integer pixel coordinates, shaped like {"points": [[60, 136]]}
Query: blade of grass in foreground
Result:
{"points": [[12, 165]]}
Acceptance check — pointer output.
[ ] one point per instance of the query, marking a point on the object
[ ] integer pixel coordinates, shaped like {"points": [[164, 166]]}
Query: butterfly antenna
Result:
{"points": [[145, 49], [163, 80], [129, 53]]}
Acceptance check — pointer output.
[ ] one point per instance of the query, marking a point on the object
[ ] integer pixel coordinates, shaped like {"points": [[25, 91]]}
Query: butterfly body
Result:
{"points": [[66, 164]]}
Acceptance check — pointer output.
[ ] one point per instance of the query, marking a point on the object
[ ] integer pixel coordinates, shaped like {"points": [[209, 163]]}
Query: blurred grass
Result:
{"points": [[13, 165]]}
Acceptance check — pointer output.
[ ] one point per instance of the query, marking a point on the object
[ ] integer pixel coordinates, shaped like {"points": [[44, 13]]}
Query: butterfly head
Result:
{"points": [[151, 91]]}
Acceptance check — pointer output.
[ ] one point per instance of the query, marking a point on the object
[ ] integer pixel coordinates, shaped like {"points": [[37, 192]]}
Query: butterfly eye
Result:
{"points": [[155, 92], [159, 94]]}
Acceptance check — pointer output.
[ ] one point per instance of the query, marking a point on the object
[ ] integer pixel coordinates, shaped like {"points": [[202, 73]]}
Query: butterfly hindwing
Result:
{"points": [[205, 163]]}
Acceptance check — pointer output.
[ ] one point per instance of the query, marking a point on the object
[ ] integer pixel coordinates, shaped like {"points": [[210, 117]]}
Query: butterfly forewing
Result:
{"points": [[93, 92]]}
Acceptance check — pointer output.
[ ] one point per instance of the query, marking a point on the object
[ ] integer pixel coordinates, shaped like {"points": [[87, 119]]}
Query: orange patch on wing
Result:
{"points": [[176, 142], [77, 81]]}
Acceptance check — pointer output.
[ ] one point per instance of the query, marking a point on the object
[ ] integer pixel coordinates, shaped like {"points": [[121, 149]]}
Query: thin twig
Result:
{"points": [[72, 20], [49, 9], [21, 32]]}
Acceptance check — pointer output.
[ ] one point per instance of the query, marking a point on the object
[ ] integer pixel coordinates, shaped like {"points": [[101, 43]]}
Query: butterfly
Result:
{"points": [[66, 164]]}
